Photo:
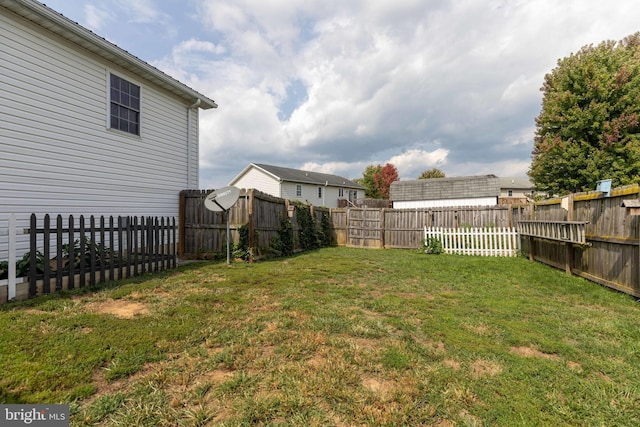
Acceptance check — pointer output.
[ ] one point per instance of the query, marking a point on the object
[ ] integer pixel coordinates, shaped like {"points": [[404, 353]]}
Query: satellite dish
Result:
{"points": [[222, 199]]}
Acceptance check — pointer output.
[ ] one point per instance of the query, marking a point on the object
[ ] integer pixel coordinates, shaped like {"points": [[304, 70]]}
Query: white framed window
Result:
{"points": [[298, 190], [510, 193], [124, 105], [340, 192]]}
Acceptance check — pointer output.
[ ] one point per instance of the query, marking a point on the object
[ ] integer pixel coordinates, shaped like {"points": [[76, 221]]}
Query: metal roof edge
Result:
{"points": [[65, 28]]}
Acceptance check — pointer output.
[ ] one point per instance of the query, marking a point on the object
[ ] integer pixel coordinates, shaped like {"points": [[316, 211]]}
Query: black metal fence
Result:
{"points": [[70, 254]]}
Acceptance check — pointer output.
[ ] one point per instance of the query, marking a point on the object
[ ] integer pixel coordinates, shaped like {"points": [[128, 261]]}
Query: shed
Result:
{"points": [[482, 190]]}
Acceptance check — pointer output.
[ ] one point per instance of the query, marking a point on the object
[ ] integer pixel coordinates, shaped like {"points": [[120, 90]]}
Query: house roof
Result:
{"points": [[303, 177], [57, 23], [461, 187], [516, 183]]}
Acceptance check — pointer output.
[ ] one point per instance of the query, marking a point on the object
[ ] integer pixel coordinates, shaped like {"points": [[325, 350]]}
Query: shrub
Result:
{"points": [[282, 244], [433, 246]]}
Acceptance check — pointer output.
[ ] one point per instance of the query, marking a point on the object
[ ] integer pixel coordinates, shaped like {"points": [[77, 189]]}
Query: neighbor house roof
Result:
{"points": [[304, 177], [57, 23], [445, 188], [516, 183]]}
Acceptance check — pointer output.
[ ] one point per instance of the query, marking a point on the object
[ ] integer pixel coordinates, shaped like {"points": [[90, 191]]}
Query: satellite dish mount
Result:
{"points": [[222, 200]]}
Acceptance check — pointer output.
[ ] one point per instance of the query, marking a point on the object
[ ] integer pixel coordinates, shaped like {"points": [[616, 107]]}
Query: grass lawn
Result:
{"points": [[334, 337]]}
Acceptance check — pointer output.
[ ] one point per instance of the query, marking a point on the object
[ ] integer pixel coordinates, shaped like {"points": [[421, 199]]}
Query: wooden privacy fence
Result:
{"points": [[69, 254], [202, 231], [404, 228], [609, 251], [501, 241]]}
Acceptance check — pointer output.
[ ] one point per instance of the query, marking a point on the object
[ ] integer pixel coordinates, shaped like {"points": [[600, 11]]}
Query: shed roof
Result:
{"points": [[307, 177], [445, 188], [62, 26]]}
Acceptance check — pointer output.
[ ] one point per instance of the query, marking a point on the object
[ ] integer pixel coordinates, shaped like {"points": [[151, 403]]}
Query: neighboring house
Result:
{"points": [[516, 190], [443, 192], [319, 189], [85, 127]]}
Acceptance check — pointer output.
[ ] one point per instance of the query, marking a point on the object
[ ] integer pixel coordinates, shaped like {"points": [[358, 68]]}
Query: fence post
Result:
{"points": [[182, 209], [383, 228], [32, 255], [251, 219], [568, 262], [11, 291]]}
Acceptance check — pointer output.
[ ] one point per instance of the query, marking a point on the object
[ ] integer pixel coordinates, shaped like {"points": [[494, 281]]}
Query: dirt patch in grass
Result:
{"points": [[485, 368], [365, 343], [574, 366], [382, 388], [452, 364], [436, 346], [533, 352], [120, 308], [104, 386], [408, 295], [217, 376]]}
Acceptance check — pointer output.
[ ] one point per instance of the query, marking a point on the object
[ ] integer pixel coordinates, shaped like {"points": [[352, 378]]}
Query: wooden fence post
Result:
{"points": [[182, 209], [382, 228], [252, 218], [568, 262]]}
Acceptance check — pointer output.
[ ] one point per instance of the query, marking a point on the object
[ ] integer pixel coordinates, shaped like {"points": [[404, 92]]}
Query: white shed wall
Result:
{"points": [[58, 155], [479, 201]]}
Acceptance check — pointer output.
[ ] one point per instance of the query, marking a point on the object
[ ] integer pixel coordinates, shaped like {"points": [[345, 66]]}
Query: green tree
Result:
{"points": [[589, 126], [377, 179], [431, 173], [368, 181]]}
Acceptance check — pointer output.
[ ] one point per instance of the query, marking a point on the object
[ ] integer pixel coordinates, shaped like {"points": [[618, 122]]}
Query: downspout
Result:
{"points": [[324, 193], [189, 108]]}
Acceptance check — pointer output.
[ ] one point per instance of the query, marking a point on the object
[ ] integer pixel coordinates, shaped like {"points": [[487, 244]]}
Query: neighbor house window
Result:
{"points": [[319, 192], [340, 192], [125, 105], [298, 190], [510, 193]]}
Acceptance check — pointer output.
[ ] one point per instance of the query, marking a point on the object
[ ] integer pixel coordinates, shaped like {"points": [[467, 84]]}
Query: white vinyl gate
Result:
{"points": [[493, 241]]}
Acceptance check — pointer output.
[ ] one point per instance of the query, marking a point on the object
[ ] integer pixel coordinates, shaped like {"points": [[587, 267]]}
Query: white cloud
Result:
{"points": [[144, 11], [194, 45], [95, 17], [412, 163], [375, 77]]}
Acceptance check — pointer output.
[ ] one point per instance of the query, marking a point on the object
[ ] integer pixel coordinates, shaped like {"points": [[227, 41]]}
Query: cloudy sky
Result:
{"points": [[335, 85]]}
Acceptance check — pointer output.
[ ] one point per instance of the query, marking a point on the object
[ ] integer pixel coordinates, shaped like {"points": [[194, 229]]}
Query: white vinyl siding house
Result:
{"points": [[264, 181], [59, 153], [516, 188], [314, 188]]}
